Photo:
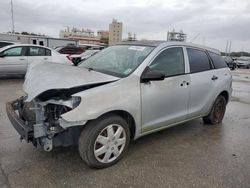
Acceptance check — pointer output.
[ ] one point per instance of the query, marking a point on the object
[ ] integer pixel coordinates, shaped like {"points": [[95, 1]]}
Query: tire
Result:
{"points": [[96, 136], [217, 112]]}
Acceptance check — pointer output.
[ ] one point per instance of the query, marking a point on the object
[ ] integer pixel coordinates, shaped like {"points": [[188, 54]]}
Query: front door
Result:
{"points": [[166, 102], [14, 61]]}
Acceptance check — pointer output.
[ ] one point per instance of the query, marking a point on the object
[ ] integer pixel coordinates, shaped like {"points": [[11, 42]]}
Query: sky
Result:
{"points": [[208, 22]]}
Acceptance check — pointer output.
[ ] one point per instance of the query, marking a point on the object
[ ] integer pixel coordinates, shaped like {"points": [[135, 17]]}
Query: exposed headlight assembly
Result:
{"points": [[75, 101]]}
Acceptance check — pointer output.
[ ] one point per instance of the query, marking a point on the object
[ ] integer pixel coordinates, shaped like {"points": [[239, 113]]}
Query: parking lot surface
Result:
{"points": [[187, 155]]}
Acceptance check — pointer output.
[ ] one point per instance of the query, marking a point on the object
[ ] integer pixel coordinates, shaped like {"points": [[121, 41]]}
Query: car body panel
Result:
{"points": [[125, 96], [159, 107], [59, 76]]}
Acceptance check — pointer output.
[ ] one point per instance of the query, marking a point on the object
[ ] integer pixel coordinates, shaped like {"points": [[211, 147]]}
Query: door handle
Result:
{"points": [[214, 78], [21, 59], [45, 58]]}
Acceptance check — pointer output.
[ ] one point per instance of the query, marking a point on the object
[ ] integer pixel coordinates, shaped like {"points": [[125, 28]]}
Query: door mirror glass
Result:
{"points": [[152, 75]]}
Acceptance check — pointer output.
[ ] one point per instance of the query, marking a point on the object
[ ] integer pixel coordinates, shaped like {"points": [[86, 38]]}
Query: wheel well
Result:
{"points": [[225, 94], [127, 116]]}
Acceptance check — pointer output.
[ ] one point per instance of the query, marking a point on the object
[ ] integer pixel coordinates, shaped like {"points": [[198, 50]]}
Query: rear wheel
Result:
{"points": [[217, 112], [104, 141]]}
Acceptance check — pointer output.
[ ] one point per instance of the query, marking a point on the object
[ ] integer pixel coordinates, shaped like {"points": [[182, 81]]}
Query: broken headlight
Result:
{"points": [[75, 101]]}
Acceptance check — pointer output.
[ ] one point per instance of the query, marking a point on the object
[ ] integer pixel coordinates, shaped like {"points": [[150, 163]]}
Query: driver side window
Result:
{"points": [[170, 61], [16, 51]]}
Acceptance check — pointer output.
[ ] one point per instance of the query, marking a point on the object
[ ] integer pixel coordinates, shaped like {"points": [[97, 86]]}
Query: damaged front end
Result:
{"points": [[39, 121]]}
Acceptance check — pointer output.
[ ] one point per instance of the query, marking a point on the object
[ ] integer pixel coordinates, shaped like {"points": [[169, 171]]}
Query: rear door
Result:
{"points": [[14, 60], [37, 54], [222, 72], [202, 83]]}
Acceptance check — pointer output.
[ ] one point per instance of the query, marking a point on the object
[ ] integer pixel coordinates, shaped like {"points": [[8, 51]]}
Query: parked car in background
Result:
{"points": [[230, 62], [5, 43], [76, 59], [120, 94], [70, 50], [243, 62], [14, 59]]}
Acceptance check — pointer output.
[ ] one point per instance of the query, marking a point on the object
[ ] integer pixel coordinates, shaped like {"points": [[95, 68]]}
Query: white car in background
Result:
{"points": [[243, 62], [77, 58], [14, 59]]}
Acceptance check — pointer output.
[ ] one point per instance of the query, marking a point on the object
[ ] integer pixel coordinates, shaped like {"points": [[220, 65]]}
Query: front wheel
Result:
{"points": [[217, 112], [104, 141]]}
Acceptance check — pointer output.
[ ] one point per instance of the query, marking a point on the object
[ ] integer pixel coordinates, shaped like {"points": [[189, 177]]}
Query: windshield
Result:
{"points": [[119, 60]]}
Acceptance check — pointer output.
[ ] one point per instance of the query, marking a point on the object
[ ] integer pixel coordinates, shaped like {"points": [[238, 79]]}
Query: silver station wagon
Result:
{"points": [[122, 93]]}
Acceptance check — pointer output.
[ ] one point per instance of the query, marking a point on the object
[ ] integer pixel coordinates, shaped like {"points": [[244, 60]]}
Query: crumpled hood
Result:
{"points": [[46, 76]]}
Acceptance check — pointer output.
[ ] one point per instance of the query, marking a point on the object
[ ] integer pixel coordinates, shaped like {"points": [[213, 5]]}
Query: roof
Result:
{"points": [[155, 43], [16, 45]]}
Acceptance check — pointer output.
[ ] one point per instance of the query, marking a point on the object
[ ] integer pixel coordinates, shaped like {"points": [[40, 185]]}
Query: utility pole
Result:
{"points": [[229, 49], [226, 49], [12, 17]]}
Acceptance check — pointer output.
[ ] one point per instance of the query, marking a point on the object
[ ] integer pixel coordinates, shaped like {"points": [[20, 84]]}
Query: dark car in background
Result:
{"points": [[78, 58], [70, 50], [230, 62], [5, 43]]}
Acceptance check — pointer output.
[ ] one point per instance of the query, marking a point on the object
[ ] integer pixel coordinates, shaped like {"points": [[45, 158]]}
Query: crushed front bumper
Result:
{"points": [[26, 132]]}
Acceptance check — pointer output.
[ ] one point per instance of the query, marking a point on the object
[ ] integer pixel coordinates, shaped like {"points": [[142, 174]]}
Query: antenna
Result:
{"points": [[12, 17]]}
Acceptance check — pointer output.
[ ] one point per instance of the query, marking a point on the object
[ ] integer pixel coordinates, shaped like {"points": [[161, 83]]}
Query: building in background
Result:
{"points": [[103, 35], [37, 40], [85, 37], [76, 32], [115, 32], [176, 36], [131, 37]]}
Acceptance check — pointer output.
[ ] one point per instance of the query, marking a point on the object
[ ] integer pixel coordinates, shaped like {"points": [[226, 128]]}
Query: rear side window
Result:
{"points": [[218, 61], [198, 60], [37, 51]]}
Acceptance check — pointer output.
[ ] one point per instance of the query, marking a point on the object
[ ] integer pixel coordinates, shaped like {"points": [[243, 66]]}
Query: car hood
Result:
{"points": [[50, 76], [242, 61]]}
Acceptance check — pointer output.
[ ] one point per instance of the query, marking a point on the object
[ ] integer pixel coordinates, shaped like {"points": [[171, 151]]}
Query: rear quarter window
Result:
{"points": [[218, 61], [48, 52]]}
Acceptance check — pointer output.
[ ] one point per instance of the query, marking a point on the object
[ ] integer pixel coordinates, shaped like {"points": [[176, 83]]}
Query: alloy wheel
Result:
{"points": [[110, 143]]}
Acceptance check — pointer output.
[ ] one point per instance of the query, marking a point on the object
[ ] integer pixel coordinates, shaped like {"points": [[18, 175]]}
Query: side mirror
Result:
{"points": [[152, 75], [2, 54]]}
